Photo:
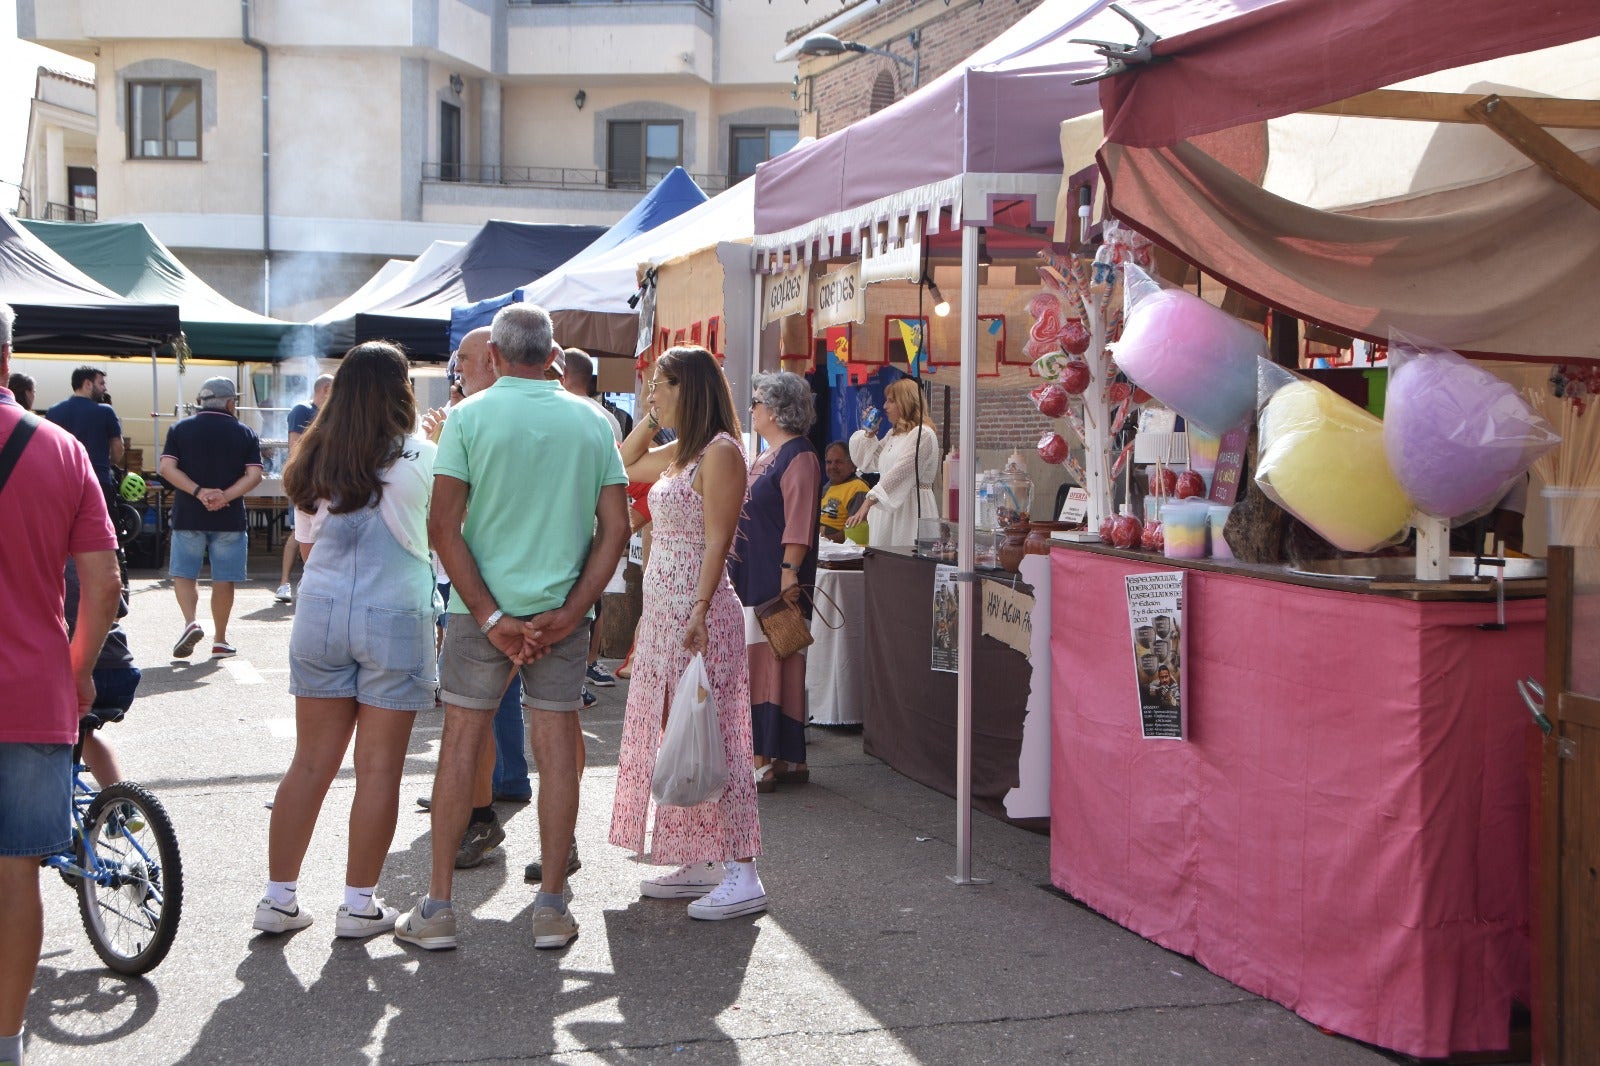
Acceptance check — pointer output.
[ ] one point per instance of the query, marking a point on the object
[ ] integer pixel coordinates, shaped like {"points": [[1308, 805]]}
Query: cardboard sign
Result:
{"points": [[783, 295], [1155, 618], [1075, 508], [1230, 465], [838, 298], [902, 263], [636, 549], [946, 612], [1008, 616]]}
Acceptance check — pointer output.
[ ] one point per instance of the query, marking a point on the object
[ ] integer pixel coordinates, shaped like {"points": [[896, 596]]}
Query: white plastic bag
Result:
{"points": [[691, 766]]}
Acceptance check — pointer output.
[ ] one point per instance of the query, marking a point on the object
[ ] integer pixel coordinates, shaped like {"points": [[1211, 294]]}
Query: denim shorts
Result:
{"points": [[475, 673], [381, 656], [227, 551], [35, 799]]}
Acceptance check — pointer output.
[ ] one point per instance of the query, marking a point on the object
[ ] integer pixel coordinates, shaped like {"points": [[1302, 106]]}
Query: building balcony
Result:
{"points": [[469, 194], [648, 38]]}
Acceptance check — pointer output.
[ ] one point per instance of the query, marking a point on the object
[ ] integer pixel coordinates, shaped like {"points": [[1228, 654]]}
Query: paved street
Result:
{"points": [[867, 955]]}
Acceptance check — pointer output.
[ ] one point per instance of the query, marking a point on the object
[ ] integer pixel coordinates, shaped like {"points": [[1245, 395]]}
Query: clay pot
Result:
{"points": [[1010, 554]]}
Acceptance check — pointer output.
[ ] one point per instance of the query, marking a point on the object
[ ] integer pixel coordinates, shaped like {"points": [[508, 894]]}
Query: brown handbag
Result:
{"points": [[785, 626]]}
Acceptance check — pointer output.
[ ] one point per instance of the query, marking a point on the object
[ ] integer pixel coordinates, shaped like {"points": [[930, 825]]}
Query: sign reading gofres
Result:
{"points": [[785, 295], [838, 298]]}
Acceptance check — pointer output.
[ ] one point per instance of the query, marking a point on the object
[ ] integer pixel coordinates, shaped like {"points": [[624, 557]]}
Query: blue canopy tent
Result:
{"points": [[671, 197]]}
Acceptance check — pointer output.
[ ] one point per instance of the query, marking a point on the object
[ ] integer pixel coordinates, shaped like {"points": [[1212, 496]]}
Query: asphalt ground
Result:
{"points": [[868, 953]]}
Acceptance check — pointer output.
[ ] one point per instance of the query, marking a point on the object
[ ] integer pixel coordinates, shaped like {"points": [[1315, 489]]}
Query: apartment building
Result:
{"points": [[286, 148]]}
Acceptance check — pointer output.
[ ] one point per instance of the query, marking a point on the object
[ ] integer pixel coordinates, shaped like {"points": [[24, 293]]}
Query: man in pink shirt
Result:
{"points": [[51, 506]]}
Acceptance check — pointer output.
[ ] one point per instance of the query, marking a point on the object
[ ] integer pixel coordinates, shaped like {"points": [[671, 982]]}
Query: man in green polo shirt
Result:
{"points": [[529, 518]]}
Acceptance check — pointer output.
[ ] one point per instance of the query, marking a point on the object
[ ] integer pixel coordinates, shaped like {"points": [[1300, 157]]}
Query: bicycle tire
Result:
{"points": [[127, 944]]}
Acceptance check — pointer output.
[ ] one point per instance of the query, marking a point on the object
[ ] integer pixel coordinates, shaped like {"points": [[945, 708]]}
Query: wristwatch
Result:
{"points": [[490, 622], [787, 566]]}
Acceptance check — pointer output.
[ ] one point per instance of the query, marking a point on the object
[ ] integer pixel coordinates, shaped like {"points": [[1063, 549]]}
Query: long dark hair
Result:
{"points": [[358, 432], [705, 405]]}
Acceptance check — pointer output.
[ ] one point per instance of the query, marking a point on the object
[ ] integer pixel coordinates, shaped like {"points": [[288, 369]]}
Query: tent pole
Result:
{"points": [[155, 406], [966, 580]]}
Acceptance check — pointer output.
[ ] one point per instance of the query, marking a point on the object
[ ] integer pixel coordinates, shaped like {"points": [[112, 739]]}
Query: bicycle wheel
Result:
{"points": [[133, 902]]}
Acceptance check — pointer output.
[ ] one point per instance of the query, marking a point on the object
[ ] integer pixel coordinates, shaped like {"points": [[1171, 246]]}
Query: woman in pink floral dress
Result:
{"points": [[698, 488]]}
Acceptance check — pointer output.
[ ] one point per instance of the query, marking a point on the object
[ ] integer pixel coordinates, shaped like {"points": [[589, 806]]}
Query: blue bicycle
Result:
{"points": [[125, 865]]}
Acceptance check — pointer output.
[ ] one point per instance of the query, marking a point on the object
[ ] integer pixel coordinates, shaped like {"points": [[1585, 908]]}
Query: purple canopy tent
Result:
{"points": [[983, 134]]}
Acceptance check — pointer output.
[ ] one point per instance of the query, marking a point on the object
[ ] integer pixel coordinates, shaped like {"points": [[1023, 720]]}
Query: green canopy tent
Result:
{"points": [[127, 258]]}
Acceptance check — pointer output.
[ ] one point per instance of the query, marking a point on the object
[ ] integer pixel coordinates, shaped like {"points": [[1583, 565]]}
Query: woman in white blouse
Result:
{"points": [[906, 461], [361, 658]]}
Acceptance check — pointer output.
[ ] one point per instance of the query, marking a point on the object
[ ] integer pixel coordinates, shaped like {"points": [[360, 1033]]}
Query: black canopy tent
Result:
{"points": [[61, 310]]}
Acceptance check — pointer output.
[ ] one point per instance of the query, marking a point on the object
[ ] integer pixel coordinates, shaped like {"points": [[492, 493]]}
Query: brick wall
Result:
{"points": [[841, 88]]}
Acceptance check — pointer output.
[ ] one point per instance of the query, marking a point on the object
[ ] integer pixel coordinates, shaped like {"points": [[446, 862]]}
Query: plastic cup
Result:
{"points": [[1183, 528], [1217, 518]]}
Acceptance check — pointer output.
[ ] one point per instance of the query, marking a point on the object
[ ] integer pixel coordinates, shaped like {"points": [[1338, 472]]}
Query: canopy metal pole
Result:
{"points": [[965, 555], [155, 405]]}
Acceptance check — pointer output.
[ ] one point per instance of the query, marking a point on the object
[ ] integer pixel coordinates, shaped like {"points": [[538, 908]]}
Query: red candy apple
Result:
{"points": [[1052, 448], [1119, 391], [1190, 484], [1108, 524], [1075, 377], [1051, 399], [1166, 484], [1152, 540], [1074, 338], [1126, 531]]}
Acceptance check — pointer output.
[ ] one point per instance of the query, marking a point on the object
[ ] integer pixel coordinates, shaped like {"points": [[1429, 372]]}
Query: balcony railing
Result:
{"points": [[708, 6], [54, 212], [572, 178]]}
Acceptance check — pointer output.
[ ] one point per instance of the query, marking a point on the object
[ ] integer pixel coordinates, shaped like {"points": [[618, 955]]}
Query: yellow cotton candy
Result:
{"points": [[1322, 460]]}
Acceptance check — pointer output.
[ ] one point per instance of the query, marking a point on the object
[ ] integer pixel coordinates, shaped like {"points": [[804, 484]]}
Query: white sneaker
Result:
{"points": [[285, 593], [271, 918], [351, 924], [686, 882], [739, 893]]}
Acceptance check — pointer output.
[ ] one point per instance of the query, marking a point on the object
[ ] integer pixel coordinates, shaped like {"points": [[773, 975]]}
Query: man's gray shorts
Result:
{"points": [[474, 673]]}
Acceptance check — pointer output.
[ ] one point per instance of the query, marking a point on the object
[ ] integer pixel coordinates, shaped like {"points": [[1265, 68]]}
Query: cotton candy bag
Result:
{"points": [[1456, 436]]}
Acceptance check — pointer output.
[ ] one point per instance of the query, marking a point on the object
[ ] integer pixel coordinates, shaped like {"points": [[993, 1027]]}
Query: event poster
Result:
{"points": [[1155, 616], [946, 613]]}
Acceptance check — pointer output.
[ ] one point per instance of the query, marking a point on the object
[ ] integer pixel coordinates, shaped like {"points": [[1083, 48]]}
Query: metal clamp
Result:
{"points": [[1119, 57]]}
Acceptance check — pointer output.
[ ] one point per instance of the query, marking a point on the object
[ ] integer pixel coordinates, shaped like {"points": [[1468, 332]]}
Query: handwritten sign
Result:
{"points": [[784, 295], [838, 298], [1230, 465], [1008, 616], [1155, 618]]}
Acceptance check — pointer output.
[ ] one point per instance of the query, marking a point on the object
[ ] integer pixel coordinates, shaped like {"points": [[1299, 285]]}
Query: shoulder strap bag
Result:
{"points": [[14, 444]]}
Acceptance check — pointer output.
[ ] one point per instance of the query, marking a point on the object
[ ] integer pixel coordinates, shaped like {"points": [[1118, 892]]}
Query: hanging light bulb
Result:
{"points": [[941, 306]]}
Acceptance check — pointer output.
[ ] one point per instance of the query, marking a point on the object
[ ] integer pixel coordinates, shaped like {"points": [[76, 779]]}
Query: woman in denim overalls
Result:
{"points": [[361, 652]]}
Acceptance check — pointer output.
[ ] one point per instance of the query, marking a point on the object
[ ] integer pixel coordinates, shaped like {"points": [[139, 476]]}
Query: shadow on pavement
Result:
{"points": [[84, 1008]]}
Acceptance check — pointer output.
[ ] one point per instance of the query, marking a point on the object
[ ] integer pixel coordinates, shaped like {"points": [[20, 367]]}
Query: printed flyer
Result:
{"points": [[1155, 616], [946, 612]]}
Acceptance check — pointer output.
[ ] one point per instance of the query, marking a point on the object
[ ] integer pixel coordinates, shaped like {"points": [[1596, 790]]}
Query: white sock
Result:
{"points": [[282, 893], [359, 900], [11, 1048]]}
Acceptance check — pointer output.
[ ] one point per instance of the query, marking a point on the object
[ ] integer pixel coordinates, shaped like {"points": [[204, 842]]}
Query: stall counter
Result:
{"points": [[1343, 831]]}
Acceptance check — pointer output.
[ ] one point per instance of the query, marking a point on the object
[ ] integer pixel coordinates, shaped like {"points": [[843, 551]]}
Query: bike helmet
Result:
{"points": [[132, 488]]}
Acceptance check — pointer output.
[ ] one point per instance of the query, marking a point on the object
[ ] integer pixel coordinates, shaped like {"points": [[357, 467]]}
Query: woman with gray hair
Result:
{"points": [[775, 553]]}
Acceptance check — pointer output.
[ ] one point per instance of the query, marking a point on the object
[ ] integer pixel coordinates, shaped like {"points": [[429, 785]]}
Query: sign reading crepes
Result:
{"points": [[1008, 616], [785, 295], [838, 298]]}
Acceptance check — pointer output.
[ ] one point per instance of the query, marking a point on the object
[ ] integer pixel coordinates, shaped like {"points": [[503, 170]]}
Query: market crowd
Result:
{"points": [[435, 569]]}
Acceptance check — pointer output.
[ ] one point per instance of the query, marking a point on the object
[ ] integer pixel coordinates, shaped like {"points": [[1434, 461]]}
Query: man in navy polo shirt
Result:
{"points": [[94, 423], [210, 461]]}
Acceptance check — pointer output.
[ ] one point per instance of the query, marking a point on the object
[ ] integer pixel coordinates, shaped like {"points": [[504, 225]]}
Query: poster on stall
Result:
{"points": [[946, 612], [1155, 617]]}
